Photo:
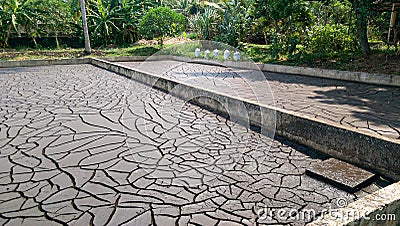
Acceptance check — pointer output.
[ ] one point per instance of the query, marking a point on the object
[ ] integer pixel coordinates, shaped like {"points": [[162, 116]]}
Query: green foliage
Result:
{"points": [[130, 13], [34, 18], [204, 24], [185, 7], [235, 22], [192, 36], [226, 21], [160, 23], [328, 26], [102, 22], [284, 22], [115, 22], [13, 14], [330, 38]]}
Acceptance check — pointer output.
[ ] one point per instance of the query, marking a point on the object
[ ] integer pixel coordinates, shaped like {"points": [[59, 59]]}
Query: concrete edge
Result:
{"points": [[32, 63], [124, 58], [366, 210], [378, 154], [361, 77]]}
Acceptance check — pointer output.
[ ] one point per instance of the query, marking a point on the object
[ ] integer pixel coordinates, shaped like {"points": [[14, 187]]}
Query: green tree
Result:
{"points": [[284, 23], [79, 9], [55, 18], [236, 21], [88, 48], [13, 14], [362, 9], [102, 21], [160, 23], [130, 12]]}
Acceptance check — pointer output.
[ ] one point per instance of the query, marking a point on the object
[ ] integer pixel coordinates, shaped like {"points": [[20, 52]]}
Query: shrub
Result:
{"points": [[228, 29], [330, 38], [205, 24], [160, 23], [193, 36]]}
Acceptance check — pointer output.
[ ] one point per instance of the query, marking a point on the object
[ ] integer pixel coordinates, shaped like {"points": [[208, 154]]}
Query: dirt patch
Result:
{"points": [[379, 63], [177, 40]]}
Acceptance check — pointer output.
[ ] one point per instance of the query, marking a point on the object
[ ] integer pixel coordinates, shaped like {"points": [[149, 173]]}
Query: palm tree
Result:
{"points": [[88, 50]]}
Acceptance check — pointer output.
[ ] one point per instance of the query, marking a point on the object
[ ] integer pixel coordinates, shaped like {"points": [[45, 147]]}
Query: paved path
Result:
{"points": [[80, 145], [365, 107]]}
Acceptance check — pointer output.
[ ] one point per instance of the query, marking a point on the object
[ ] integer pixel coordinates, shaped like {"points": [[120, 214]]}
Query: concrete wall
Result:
{"points": [[32, 63]]}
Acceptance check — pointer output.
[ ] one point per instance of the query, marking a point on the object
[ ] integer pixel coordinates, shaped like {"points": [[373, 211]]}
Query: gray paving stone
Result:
{"points": [[342, 174]]}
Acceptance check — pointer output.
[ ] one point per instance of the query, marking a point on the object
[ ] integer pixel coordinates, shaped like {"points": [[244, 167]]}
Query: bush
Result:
{"points": [[205, 24], [330, 38], [193, 36], [160, 23], [228, 30]]}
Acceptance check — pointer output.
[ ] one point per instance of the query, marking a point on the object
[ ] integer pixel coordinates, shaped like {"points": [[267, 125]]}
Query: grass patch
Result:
{"points": [[30, 54], [380, 61]]}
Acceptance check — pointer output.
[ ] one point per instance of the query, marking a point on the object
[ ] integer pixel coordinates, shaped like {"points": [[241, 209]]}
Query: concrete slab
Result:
{"points": [[341, 174]]}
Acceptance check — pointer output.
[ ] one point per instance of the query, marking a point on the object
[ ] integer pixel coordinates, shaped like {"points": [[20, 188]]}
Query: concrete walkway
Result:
{"points": [[369, 108]]}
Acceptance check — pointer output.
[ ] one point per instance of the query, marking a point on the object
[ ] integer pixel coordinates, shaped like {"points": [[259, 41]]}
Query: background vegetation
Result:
{"points": [[272, 30]]}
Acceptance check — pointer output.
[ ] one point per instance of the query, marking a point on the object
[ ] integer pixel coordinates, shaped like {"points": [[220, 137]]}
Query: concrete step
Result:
{"points": [[341, 174]]}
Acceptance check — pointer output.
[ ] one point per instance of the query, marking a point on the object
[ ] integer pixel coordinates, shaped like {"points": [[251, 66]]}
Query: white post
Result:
{"points": [[197, 52], [215, 52], [226, 54]]}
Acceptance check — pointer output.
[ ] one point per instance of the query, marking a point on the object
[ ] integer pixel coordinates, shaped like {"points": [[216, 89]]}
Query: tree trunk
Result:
{"points": [[34, 41], [8, 35], [88, 50], [57, 42], [361, 8], [363, 40]]}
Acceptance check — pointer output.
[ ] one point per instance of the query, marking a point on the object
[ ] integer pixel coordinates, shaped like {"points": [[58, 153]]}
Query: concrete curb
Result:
{"points": [[125, 58], [378, 154], [362, 77], [384, 202], [32, 63]]}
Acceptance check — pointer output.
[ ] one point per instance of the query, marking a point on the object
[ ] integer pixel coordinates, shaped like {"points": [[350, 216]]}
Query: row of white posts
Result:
{"points": [[236, 55]]}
